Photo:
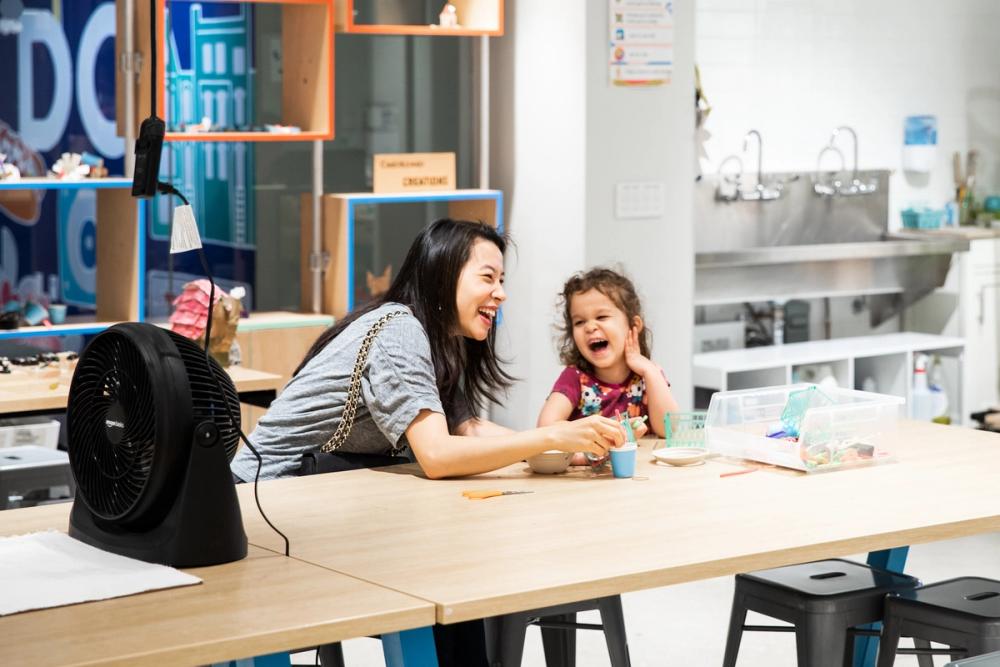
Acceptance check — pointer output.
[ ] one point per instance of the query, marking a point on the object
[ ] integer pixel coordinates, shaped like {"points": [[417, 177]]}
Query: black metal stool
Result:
{"points": [[505, 634], [963, 613], [823, 601]]}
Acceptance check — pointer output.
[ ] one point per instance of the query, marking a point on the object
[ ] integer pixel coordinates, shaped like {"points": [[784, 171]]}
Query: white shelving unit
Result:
{"points": [[887, 359]]}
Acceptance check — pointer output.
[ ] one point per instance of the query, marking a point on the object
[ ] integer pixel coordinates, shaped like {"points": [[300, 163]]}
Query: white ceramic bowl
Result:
{"points": [[550, 462]]}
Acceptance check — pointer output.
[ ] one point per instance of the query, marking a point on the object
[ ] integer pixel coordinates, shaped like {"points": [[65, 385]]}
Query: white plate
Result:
{"points": [[680, 456]]}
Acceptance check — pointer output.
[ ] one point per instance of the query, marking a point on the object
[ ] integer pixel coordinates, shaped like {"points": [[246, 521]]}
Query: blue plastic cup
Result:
{"points": [[623, 460], [57, 313]]}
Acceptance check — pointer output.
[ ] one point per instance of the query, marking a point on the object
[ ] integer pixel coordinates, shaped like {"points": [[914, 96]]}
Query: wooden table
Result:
{"points": [[577, 537], [260, 605], [29, 393]]}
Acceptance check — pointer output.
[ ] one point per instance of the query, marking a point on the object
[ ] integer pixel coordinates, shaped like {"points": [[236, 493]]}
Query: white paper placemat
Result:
{"points": [[51, 569]]}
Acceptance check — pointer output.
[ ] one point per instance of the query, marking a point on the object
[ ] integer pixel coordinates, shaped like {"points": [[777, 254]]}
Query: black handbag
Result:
{"points": [[317, 463], [329, 459]]}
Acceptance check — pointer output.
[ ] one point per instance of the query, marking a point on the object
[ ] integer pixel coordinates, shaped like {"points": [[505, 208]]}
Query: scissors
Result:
{"points": [[490, 493]]}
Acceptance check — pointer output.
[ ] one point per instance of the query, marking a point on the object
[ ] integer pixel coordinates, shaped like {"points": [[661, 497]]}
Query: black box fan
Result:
{"points": [[150, 442]]}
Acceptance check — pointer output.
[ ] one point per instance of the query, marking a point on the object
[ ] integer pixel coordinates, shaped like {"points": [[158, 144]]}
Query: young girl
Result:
{"points": [[605, 347]]}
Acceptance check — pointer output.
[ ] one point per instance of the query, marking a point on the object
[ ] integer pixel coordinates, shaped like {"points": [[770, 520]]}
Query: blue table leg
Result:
{"points": [[410, 648], [865, 648], [271, 660]]}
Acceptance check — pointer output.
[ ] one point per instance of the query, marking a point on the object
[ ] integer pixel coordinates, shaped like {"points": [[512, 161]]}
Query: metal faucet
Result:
{"points": [[857, 187], [760, 191], [726, 189], [760, 154], [829, 186]]}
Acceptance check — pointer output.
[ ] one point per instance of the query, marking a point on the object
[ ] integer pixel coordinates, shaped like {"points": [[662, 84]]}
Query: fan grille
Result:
{"points": [[205, 399], [112, 379]]}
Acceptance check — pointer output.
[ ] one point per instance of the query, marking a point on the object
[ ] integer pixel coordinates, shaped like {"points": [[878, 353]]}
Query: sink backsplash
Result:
{"points": [[799, 217]]}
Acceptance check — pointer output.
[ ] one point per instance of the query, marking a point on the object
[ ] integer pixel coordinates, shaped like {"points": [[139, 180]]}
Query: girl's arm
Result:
{"points": [[441, 454], [660, 400], [557, 408]]}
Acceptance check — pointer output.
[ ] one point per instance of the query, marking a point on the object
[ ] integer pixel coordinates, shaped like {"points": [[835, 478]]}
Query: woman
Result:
{"points": [[430, 370]]}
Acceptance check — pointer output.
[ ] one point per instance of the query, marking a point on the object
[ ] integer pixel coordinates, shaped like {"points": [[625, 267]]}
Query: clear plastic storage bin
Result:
{"points": [[850, 429]]}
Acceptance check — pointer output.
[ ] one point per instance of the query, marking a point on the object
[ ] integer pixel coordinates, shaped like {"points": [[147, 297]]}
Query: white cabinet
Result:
{"points": [[967, 306], [887, 359], [979, 294]]}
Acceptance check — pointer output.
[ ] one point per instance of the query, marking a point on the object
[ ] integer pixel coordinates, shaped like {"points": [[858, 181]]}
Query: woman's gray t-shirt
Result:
{"points": [[398, 382]]}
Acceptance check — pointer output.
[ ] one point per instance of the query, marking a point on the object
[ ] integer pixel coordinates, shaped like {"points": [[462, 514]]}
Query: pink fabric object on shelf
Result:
{"points": [[191, 308]]}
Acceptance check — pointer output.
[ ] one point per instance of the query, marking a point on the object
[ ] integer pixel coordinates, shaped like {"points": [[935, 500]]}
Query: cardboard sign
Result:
{"points": [[407, 172]]}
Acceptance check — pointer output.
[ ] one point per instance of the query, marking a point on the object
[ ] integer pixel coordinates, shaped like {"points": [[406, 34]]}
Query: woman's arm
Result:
{"points": [[441, 454], [482, 428]]}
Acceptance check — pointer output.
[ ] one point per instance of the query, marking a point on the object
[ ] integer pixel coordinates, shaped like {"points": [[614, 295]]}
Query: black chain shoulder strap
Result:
{"points": [[339, 437]]}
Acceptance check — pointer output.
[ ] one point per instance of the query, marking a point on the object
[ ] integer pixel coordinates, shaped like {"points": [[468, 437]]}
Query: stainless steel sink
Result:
{"points": [[806, 246]]}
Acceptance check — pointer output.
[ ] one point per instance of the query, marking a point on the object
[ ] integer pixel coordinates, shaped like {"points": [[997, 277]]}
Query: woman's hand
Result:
{"points": [[593, 435], [636, 360]]}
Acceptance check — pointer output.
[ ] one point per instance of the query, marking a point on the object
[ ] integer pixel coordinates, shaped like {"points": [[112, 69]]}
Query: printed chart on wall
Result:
{"points": [[641, 42]]}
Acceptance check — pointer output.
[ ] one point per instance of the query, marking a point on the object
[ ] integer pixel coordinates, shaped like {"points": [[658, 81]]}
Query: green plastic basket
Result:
{"points": [[685, 429]]}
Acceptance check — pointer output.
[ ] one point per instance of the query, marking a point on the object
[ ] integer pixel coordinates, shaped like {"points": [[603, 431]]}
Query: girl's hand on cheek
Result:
{"points": [[633, 356]]}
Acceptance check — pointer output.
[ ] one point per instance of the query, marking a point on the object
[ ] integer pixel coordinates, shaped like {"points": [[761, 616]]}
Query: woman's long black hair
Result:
{"points": [[427, 284]]}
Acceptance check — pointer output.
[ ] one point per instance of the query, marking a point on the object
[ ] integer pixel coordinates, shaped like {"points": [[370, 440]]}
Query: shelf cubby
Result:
{"points": [[368, 232], [120, 253], [888, 359], [409, 17], [307, 64]]}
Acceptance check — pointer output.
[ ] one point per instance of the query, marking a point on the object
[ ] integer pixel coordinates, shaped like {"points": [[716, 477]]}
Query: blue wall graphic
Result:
{"points": [[210, 75], [57, 94]]}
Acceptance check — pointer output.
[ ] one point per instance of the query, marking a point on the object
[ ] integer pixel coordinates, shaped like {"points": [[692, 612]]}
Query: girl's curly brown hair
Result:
{"points": [[622, 293]]}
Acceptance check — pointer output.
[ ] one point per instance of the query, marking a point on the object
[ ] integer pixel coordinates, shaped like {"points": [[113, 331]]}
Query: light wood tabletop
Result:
{"points": [[263, 604], [48, 389], [579, 537]]}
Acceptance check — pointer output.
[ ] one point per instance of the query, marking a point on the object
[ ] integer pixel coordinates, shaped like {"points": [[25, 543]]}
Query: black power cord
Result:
{"points": [[168, 189], [149, 142]]}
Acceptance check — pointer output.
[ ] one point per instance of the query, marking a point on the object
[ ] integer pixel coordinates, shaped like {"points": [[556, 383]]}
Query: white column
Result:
{"points": [[537, 154]]}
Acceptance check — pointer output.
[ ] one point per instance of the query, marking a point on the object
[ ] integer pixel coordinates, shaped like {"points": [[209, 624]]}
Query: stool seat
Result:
{"points": [[829, 586], [962, 613], [975, 598], [823, 600]]}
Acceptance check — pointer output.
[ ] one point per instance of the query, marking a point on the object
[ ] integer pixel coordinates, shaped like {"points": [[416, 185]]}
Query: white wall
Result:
{"points": [[795, 69], [561, 139]]}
